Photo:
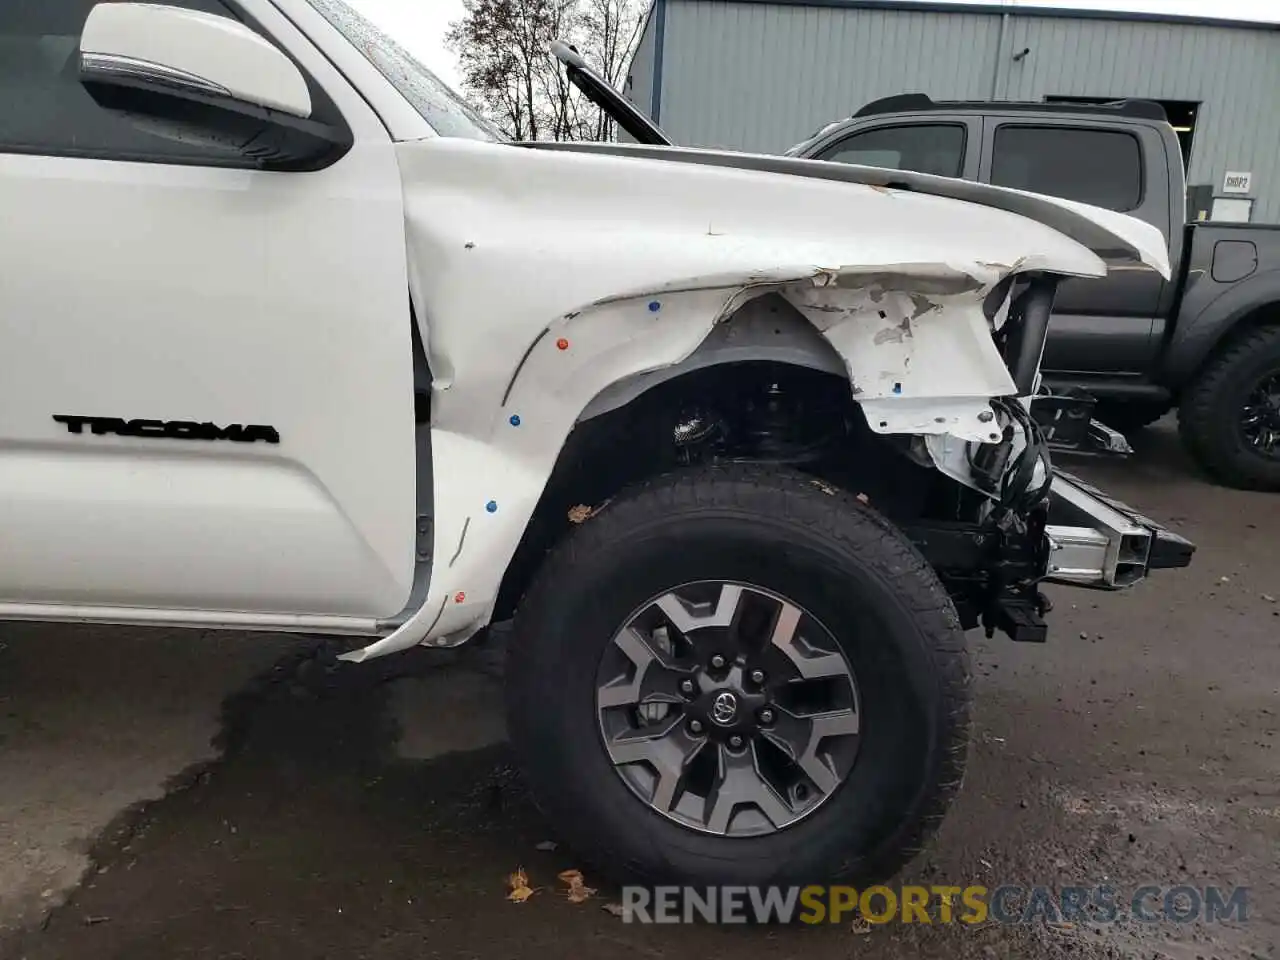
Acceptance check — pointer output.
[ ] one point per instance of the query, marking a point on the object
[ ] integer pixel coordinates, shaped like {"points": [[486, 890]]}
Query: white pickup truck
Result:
{"points": [[293, 340]]}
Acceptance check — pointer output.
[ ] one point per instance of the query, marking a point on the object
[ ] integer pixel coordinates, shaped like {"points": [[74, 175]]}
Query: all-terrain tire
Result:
{"points": [[1209, 415], [819, 547]]}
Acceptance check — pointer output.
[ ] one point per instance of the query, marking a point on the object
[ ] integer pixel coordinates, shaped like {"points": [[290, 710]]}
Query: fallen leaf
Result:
{"points": [[615, 908], [519, 884], [860, 926], [578, 889], [579, 513]]}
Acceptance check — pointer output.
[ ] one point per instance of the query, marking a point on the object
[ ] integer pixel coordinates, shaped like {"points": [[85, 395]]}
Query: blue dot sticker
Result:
{"points": [[654, 306], [515, 420], [492, 506]]}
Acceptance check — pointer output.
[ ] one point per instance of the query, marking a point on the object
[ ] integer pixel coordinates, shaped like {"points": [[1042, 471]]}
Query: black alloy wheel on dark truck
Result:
{"points": [[736, 675], [1230, 415]]}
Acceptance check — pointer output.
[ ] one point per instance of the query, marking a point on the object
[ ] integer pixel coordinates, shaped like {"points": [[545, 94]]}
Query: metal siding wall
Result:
{"points": [[760, 77], [753, 76], [640, 91], [1234, 73]]}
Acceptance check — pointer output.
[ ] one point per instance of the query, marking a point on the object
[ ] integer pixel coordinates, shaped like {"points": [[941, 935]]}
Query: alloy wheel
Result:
{"points": [[1260, 418], [728, 709]]}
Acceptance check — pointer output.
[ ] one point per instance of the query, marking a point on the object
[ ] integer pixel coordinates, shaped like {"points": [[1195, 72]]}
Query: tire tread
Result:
{"points": [[759, 491], [1199, 418]]}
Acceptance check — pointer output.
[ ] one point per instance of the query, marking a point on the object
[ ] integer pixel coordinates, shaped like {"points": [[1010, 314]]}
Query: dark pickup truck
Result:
{"points": [[1207, 342], [1132, 345]]}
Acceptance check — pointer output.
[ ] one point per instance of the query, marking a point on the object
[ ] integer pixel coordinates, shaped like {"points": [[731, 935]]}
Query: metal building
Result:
{"points": [[761, 75]]}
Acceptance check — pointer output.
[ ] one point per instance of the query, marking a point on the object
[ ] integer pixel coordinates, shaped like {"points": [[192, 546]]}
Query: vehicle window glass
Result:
{"points": [[45, 110], [936, 148], [447, 113], [1101, 167]]}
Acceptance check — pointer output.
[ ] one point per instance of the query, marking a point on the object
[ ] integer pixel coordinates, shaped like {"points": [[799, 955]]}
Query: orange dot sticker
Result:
{"points": [[562, 344], [459, 597]]}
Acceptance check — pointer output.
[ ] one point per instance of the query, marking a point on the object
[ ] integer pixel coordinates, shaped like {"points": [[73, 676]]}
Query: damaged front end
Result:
{"points": [[634, 308], [1039, 524], [984, 503]]}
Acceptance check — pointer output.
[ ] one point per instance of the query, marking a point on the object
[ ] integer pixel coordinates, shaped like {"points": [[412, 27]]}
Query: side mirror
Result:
{"points": [[196, 77]]}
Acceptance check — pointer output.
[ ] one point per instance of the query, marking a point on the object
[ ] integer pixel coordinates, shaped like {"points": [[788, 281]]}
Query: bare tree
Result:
{"points": [[503, 52], [610, 30]]}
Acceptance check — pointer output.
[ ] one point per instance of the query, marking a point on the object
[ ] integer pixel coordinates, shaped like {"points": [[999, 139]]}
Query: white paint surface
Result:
{"points": [[151, 290], [215, 50]]}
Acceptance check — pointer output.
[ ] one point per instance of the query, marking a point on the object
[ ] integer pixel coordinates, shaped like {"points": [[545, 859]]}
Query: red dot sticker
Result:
{"points": [[459, 597], [562, 344]]}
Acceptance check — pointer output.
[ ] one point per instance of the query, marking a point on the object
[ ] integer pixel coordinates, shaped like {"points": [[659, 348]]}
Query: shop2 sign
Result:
{"points": [[1237, 181]]}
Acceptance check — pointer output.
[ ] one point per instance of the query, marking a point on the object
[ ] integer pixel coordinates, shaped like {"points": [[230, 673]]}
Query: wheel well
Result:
{"points": [[759, 411], [1261, 316]]}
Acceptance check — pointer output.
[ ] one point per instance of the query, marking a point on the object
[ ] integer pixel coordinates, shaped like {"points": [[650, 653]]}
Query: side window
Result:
{"points": [[936, 148], [1101, 167], [45, 110]]}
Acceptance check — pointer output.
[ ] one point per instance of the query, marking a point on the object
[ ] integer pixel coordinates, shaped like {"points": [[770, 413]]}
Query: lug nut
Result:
{"points": [[736, 741], [695, 726], [766, 715], [718, 662], [757, 676], [686, 687]]}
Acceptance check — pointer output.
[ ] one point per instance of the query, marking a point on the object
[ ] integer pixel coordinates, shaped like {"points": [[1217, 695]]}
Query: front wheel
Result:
{"points": [[733, 675]]}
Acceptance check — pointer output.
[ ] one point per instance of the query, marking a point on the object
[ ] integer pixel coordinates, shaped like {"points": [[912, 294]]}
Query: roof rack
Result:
{"points": [[917, 102]]}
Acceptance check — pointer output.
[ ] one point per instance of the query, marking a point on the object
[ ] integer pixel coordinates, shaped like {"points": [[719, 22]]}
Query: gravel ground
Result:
{"points": [[373, 812]]}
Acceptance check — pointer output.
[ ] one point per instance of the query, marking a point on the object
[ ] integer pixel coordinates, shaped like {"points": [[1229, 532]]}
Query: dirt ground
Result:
{"points": [[357, 812]]}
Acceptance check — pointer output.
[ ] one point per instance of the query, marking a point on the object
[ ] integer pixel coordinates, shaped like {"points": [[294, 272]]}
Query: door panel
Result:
{"points": [[1101, 324], [187, 294]]}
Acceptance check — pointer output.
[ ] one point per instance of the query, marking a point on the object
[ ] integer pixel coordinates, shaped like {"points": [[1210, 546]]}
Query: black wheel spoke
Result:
{"points": [[667, 752], [810, 664], [801, 739], [1259, 421], [687, 617], [739, 783], [655, 679]]}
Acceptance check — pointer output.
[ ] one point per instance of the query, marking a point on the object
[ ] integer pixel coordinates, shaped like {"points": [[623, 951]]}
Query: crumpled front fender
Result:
{"points": [[543, 279]]}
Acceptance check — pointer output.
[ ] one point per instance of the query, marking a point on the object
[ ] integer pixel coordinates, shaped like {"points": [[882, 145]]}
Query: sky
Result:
{"points": [[420, 25]]}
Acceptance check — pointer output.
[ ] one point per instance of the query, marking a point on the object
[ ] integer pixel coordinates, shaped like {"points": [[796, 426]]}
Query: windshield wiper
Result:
{"points": [[598, 90]]}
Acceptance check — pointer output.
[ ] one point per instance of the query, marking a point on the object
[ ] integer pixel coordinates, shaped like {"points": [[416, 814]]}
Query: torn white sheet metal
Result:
{"points": [[541, 278], [917, 345]]}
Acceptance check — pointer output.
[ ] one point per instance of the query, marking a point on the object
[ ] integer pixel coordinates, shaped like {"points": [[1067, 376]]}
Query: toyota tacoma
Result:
{"points": [[294, 341]]}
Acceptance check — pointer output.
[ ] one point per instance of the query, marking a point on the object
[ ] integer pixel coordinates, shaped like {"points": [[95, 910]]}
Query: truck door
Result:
{"points": [[206, 397], [1097, 325]]}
